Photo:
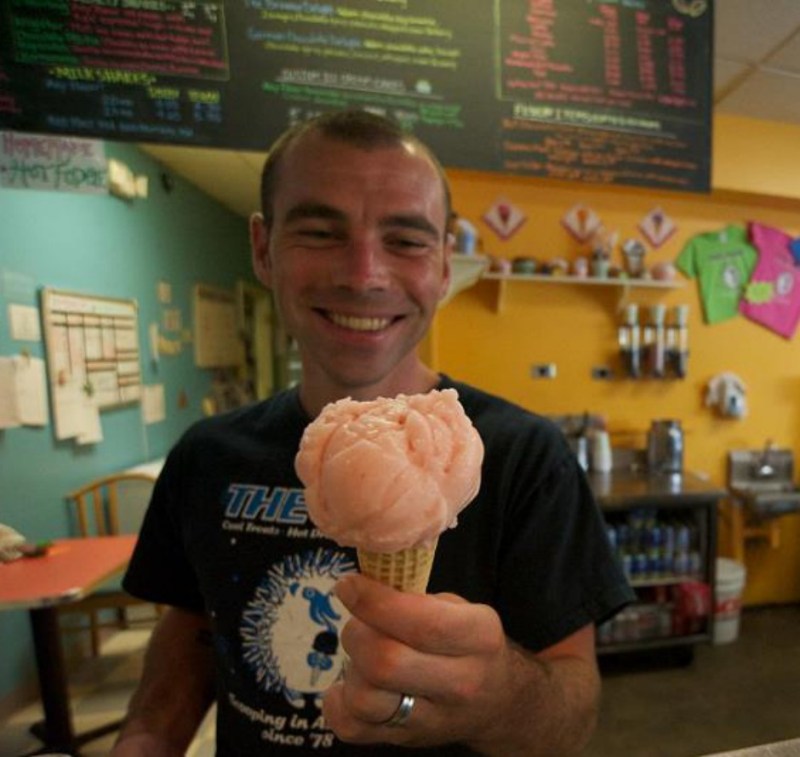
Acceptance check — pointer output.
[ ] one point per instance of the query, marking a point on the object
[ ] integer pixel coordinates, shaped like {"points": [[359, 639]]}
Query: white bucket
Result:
{"points": [[728, 600]]}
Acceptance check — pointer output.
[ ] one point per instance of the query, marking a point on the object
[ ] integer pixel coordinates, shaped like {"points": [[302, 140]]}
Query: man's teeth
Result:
{"points": [[359, 324]]}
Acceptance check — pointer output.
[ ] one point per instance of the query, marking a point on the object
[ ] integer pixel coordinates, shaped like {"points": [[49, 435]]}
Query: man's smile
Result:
{"points": [[357, 323]]}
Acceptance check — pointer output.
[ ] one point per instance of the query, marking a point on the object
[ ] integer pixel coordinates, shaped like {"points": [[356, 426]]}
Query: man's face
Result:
{"points": [[356, 258]]}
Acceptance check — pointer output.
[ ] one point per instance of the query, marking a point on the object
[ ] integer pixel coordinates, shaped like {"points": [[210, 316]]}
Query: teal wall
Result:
{"points": [[102, 245]]}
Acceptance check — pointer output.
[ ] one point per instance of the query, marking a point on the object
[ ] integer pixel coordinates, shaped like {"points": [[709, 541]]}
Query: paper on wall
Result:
{"points": [[9, 410], [31, 390], [23, 392], [24, 323], [153, 404], [68, 409], [92, 431]]}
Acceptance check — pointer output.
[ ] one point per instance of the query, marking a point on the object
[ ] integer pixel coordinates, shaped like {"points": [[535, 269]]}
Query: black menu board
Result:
{"points": [[610, 91]]}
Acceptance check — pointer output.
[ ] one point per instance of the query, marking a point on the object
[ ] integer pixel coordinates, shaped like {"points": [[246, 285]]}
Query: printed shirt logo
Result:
{"points": [[290, 625], [784, 284], [731, 277], [266, 504], [290, 628]]}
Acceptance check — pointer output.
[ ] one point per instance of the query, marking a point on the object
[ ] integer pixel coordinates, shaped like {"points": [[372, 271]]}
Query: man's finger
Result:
{"points": [[444, 625]]}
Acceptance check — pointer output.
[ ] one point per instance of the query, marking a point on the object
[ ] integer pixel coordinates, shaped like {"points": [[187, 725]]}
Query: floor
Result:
{"points": [[727, 697], [100, 691]]}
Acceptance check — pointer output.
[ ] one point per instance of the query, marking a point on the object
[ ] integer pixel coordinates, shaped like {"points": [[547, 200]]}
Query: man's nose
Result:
{"points": [[364, 264]]}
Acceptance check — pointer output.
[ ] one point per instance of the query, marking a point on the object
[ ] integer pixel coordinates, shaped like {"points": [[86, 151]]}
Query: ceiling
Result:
{"points": [[756, 75]]}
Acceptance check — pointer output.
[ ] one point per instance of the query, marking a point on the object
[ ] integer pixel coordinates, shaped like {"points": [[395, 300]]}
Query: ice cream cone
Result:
{"points": [[406, 570]]}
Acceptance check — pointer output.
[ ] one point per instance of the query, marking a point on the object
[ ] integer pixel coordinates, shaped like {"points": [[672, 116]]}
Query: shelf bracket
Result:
{"points": [[500, 296], [769, 532], [744, 530]]}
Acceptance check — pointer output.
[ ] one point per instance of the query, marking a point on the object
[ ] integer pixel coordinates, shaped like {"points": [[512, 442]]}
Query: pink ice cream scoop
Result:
{"points": [[390, 474]]}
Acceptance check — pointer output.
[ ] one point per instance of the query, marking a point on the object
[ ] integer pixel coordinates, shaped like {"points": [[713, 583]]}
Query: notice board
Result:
{"points": [[217, 342], [612, 91], [93, 356]]}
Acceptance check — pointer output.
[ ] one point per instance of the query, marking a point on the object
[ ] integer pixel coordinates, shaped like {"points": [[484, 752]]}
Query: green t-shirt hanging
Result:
{"points": [[723, 262]]}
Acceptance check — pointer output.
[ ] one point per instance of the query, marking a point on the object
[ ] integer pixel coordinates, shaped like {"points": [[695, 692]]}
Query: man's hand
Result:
{"points": [[470, 683], [445, 652]]}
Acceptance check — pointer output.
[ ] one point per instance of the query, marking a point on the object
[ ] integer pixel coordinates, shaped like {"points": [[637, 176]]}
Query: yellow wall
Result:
{"points": [[575, 326]]}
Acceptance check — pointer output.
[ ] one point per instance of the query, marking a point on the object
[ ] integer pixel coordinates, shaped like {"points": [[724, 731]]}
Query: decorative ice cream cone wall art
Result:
{"points": [[657, 227], [581, 221], [504, 218]]}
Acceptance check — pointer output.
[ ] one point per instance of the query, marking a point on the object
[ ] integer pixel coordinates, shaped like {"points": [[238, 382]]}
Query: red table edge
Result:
{"points": [[57, 578]]}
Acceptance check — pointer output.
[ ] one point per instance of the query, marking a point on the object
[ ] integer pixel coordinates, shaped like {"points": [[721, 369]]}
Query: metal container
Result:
{"points": [[665, 447]]}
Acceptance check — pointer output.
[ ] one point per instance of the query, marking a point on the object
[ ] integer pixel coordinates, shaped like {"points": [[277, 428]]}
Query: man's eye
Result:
{"points": [[408, 244], [318, 236]]}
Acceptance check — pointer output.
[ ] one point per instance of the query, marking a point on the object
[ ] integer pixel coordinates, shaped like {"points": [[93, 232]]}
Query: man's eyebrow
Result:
{"points": [[318, 210], [410, 221], [313, 210]]}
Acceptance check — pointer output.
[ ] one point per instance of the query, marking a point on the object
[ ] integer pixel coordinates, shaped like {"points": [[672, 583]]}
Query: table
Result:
{"points": [[70, 571]]}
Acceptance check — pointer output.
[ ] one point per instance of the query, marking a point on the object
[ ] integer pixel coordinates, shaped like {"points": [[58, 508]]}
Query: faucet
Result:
{"points": [[765, 468]]}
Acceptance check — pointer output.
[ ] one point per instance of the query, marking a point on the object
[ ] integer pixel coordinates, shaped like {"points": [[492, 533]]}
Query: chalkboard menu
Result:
{"points": [[611, 91]]}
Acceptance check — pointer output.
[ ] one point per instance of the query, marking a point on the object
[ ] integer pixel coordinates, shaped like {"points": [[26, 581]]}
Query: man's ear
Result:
{"points": [[259, 249], [449, 246]]}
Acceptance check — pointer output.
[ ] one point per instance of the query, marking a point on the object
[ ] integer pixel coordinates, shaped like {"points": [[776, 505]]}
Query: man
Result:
{"points": [[353, 243]]}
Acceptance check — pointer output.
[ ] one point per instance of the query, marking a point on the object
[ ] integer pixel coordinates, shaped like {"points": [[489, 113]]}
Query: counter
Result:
{"points": [[789, 748], [626, 489]]}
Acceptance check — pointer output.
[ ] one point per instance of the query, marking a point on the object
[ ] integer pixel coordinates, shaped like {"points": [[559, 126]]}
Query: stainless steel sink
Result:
{"points": [[763, 480]]}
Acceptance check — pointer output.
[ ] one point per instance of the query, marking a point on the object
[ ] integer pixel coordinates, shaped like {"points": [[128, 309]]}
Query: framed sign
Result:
{"points": [[217, 343]]}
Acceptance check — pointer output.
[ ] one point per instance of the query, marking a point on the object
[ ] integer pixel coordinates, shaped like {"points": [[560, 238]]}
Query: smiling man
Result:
{"points": [[355, 248], [499, 658]]}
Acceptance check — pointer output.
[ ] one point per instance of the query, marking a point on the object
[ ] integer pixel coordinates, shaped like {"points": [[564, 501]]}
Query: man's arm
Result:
{"points": [[472, 685], [175, 692], [553, 701]]}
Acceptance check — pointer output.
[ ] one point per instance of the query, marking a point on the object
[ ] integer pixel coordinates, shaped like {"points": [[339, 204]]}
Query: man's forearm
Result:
{"points": [[551, 709], [175, 692]]}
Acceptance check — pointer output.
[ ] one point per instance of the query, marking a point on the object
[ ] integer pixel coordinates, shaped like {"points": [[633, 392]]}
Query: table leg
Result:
{"points": [[57, 732]]}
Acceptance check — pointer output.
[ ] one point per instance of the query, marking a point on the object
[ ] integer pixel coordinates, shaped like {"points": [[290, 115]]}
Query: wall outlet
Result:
{"points": [[543, 370], [602, 373]]}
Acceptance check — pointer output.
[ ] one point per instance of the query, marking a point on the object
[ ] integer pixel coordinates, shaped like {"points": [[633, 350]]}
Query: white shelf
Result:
{"points": [[465, 271], [532, 278], [583, 281]]}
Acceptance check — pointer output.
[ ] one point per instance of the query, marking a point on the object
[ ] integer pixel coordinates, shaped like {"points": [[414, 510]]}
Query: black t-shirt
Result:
{"points": [[227, 533]]}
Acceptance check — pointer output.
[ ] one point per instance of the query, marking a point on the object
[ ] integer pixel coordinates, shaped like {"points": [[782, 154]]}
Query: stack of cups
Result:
{"points": [[601, 451]]}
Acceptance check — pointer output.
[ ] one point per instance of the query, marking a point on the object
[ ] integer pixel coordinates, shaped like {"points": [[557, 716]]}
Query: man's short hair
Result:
{"points": [[358, 128]]}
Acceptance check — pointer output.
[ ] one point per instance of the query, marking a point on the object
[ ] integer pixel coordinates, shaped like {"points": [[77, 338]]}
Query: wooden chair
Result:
{"points": [[101, 509]]}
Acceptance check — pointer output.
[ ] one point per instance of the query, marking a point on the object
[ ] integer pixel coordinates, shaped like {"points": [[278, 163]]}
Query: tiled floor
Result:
{"points": [[729, 697]]}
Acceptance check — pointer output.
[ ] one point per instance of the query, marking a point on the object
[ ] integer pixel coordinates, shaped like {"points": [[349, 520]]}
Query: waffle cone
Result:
{"points": [[407, 570]]}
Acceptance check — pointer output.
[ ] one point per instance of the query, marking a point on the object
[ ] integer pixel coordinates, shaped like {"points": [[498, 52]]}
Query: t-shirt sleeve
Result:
{"points": [[159, 570], [686, 261], [557, 572]]}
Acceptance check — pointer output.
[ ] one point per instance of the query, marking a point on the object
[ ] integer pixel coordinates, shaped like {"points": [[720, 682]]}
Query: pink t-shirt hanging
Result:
{"points": [[772, 297]]}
